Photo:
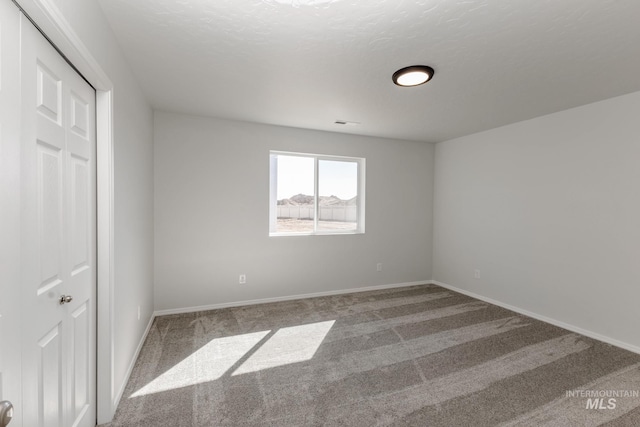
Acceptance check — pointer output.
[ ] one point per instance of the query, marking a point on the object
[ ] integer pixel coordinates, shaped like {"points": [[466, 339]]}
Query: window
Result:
{"points": [[316, 194]]}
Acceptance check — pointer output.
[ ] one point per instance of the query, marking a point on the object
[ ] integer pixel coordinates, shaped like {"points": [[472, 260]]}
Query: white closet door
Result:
{"points": [[58, 238]]}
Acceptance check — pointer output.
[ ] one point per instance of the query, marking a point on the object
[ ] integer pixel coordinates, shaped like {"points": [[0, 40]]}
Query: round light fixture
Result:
{"points": [[414, 75]]}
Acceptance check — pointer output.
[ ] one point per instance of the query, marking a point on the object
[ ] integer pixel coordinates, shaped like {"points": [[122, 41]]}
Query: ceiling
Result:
{"points": [[308, 63]]}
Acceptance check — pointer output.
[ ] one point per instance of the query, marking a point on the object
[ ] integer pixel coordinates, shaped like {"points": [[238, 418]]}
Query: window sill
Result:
{"points": [[317, 233]]}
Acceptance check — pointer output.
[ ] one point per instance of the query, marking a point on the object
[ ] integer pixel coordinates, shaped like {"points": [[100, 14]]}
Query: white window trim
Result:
{"points": [[273, 188]]}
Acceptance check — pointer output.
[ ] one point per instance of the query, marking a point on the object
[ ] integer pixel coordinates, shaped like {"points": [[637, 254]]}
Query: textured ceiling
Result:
{"points": [[308, 63]]}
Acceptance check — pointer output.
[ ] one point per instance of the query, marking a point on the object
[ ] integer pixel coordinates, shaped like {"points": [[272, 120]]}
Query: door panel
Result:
{"points": [[80, 211], [81, 354], [49, 94], [49, 216], [50, 378], [58, 238], [80, 131]]}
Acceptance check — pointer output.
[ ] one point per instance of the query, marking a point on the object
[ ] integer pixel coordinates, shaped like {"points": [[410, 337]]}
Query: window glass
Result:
{"points": [[295, 190], [337, 195], [316, 194]]}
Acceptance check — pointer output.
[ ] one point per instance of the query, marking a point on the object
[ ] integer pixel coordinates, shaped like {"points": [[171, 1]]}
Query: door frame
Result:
{"points": [[50, 20]]}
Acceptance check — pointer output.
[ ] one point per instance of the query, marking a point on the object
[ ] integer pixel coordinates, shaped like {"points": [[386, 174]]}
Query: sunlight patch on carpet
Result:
{"points": [[289, 345], [206, 364]]}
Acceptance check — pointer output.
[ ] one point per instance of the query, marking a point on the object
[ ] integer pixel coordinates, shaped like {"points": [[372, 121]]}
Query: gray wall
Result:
{"points": [[204, 165], [549, 211]]}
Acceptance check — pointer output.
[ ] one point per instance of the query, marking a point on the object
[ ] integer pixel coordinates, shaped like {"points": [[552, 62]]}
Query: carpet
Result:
{"points": [[413, 356]]}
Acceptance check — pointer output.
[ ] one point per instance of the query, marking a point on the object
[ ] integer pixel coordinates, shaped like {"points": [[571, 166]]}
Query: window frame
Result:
{"points": [[273, 193]]}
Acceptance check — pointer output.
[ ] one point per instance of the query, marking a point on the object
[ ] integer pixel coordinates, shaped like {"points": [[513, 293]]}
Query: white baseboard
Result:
{"points": [[542, 318], [285, 298], [116, 401]]}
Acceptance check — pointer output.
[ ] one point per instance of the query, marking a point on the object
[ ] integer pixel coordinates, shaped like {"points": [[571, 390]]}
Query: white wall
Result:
{"points": [[133, 186], [549, 211], [204, 165]]}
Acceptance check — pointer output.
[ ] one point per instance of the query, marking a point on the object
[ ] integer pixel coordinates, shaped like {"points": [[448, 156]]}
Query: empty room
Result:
{"points": [[319, 213]]}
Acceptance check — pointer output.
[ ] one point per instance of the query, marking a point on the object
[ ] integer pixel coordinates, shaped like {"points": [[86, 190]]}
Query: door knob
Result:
{"points": [[64, 299], [6, 413]]}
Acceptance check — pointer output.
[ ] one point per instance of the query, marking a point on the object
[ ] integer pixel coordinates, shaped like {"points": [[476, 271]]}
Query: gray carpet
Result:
{"points": [[414, 356]]}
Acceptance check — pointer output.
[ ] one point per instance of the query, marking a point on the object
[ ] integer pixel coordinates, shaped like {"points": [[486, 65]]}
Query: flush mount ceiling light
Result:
{"points": [[414, 75]]}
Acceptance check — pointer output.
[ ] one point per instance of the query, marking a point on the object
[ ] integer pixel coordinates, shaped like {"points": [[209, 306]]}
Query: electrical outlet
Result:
{"points": [[243, 279], [476, 273], [379, 266]]}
